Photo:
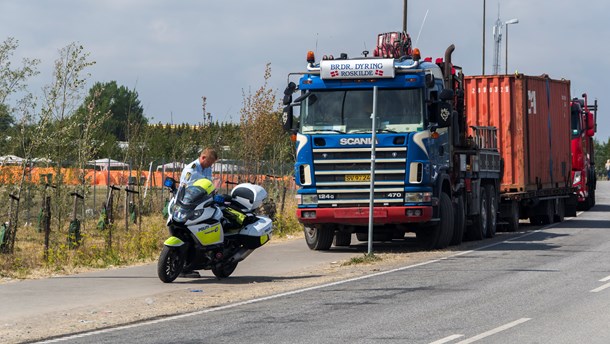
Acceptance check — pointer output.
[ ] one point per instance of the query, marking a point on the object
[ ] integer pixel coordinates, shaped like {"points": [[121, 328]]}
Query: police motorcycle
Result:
{"points": [[210, 231]]}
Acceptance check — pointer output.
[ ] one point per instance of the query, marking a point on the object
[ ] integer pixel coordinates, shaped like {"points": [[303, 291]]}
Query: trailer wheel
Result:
{"points": [[478, 230], [492, 214], [343, 239], [439, 235], [319, 237], [559, 210], [513, 219], [545, 214], [459, 215]]}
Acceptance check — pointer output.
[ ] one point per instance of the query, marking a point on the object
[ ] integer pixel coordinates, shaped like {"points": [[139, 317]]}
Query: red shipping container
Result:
{"points": [[532, 115]]}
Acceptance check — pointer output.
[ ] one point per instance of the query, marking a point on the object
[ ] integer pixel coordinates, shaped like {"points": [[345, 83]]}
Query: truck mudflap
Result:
{"points": [[360, 215]]}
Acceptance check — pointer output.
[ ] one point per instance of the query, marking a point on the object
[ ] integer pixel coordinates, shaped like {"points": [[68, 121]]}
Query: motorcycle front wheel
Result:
{"points": [[224, 270], [170, 264]]}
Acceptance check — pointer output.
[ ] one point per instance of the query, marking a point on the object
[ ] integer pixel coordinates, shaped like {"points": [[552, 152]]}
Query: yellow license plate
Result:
{"points": [[357, 177]]}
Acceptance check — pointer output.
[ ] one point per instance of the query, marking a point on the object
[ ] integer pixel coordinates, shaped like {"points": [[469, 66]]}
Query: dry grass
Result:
{"points": [[137, 245], [132, 246]]}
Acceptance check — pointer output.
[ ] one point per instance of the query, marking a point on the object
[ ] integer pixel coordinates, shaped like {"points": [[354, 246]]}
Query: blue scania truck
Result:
{"points": [[430, 177]]}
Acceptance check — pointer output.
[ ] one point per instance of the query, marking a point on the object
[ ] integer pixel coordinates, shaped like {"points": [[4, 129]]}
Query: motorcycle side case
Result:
{"points": [[249, 196], [256, 234]]}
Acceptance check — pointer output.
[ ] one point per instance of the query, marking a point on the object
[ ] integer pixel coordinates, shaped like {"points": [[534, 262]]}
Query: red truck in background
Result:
{"points": [[583, 119]]}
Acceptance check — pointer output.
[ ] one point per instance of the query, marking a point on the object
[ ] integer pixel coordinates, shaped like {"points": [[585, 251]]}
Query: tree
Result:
{"points": [[124, 107], [58, 127], [262, 135], [13, 80]]}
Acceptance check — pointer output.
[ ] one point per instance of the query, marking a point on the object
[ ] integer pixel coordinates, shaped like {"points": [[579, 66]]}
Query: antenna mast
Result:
{"points": [[497, 31]]}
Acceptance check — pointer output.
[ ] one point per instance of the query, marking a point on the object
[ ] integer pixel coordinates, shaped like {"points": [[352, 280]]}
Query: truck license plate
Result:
{"points": [[357, 177]]}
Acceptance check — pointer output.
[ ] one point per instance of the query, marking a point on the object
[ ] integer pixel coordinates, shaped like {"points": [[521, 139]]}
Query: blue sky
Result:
{"points": [[175, 52]]}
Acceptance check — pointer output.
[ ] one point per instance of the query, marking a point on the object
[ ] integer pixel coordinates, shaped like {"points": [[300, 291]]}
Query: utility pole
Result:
{"points": [[483, 71], [404, 17]]}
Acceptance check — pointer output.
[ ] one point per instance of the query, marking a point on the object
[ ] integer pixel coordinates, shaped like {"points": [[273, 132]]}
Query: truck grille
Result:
{"points": [[343, 176]]}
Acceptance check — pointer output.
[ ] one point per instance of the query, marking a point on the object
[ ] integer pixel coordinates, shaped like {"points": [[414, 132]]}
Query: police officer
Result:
{"points": [[202, 165]]}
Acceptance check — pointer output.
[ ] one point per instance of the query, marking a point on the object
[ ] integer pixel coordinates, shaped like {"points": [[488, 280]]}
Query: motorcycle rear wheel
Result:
{"points": [[225, 270], [170, 264]]}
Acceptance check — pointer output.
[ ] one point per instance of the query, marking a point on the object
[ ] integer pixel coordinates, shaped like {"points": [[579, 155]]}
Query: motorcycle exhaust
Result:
{"points": [[240, 255]]}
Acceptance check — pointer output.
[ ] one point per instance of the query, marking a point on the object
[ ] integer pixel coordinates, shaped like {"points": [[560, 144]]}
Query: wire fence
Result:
{"points": [[114, 193]]}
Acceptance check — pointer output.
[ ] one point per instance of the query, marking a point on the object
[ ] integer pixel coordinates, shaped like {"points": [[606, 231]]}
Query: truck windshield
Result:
{"points": [[349, 111]]}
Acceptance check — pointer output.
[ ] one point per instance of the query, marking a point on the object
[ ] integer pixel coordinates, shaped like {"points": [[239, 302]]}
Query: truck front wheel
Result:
{"points": [[439, 235], [319, 237]]}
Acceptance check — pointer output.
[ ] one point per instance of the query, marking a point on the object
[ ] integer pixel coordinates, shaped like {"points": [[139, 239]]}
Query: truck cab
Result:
{"points": [[408, 106], [583, 158]]}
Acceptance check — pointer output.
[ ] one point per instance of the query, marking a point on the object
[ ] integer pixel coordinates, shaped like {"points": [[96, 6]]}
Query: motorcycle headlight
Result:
{"points": [[180, 215], [196, 214]]}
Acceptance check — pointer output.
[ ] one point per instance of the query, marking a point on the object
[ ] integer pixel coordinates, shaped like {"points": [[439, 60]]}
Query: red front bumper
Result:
{"points": [[360, 216]]}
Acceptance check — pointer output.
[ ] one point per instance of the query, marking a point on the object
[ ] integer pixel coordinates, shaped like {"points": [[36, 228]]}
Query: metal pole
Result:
{"points": [[404, 18], [483, 70], [506, 51], [372, 187]]}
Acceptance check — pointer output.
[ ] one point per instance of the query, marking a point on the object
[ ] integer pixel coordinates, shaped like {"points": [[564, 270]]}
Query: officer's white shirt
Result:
{"points": [[195, 166]]}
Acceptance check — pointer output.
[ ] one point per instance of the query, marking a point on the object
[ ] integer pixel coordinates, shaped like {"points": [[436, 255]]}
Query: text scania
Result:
{"points": [[355, 141]]}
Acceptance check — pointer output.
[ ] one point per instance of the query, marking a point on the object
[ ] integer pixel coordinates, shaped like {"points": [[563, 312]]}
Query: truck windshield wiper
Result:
{"points": [[386, 131], [321, 131]]}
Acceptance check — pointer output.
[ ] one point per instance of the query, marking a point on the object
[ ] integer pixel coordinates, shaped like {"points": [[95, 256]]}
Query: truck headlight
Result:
{"points": [[418, 196], [308, 199], [577, 177]]}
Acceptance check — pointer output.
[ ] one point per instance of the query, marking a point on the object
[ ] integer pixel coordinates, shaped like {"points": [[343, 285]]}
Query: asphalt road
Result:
{"points": [[547, 285]]}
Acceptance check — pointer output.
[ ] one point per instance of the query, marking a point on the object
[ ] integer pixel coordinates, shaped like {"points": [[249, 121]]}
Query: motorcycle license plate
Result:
{"points": [[357, 177]]}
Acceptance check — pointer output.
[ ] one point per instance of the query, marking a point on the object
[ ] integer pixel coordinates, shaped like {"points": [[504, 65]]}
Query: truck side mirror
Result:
{"points": [[290, 89], [590, 124], [446, 95], [429, 80], [287, 117], [440, 113], [444, 115]]}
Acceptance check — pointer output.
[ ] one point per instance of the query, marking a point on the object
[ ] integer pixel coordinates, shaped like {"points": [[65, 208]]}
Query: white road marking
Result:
{"points": [[448, 339], [494, 331], [605, 286], [605, 279]]}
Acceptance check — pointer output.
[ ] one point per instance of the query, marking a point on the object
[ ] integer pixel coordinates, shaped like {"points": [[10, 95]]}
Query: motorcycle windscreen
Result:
{"points": [[208, 234]]}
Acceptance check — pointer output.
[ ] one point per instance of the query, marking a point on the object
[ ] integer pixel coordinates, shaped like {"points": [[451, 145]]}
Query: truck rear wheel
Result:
{"points": [[439, 235], [478, 230], [492, 213], [513, 218], [459, 215], [319, 237]]}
